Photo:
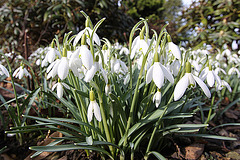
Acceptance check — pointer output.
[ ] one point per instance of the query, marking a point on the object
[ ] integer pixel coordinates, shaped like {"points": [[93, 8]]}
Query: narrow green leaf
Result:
{"points": [[157, 155], [210, 136]]}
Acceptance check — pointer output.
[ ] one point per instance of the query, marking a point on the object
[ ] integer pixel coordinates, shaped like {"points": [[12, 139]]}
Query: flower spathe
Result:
{"points": [[157, 72]]}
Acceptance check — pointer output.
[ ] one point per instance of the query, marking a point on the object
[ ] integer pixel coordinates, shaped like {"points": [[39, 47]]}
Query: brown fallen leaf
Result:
{"points": [[45, 142], [194, 151]]}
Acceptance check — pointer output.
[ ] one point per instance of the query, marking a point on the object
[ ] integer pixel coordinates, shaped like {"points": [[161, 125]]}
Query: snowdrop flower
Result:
{"points": [[107, 89], [174, 49], [118, 66], [157, 72], [157, 98], [3, 71], [234, 70], [124, 50], [93, 108], [60, 86], [126, 79], [222, 84], [75, 63], [89, 32], [20, 72], [210, 75], [63, 66], [175, 66], [86, 56], [96, 67], [189, 80], [139, 44]]}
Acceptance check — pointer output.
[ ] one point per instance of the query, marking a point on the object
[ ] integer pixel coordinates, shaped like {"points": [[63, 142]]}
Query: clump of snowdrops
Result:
{"points": [[118, 99]]}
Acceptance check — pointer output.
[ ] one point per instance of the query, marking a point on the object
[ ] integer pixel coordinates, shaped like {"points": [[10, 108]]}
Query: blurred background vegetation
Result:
{"points": [[27, 24]]}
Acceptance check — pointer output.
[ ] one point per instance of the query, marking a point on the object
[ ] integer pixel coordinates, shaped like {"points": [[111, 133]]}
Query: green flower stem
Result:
{"points": [[130, 118], [210, 111], [104, 120], [79, 101], [130, 72], [156, 127]]}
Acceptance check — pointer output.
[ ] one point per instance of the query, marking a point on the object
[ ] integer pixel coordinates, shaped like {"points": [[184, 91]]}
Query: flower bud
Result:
{"points": [[91, 95], [188, 67]]}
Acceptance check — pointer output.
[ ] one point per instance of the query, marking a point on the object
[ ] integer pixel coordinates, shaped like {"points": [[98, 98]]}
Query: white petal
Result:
{"points": [[51, 66], [20, 73], [90, 111], [181, 87], [77, 38], [203, 86], [227, 85], [54, 86], [65, 85], [86, 56], [16, 71], [97, 112], [143, 46], [158, 76], [149, 75], [104, 74], [210, 78], [175, 50], [63, 68], [167, 73], [59, 90], [4, 70], [51, 55], [90, 74]]}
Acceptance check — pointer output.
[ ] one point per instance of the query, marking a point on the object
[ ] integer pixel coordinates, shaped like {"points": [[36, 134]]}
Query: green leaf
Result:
{"points": [[211, 136], [67, 147], [157, 155], [226, 124]]}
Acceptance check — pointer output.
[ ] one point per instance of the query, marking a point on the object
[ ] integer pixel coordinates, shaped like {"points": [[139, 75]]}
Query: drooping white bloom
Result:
{"points": [[234, 70], [88, 31], [224, 83], [189, 80], [124, 50], [60, 86], [118, 66], [3, 71], [157, 98], [63, 68], [107, 89], [91, 72], [75, 63], [139, 45], [175, 66], [211, 76], [93, 108], [86, 56], [157, 72], [20, 72], [174, 49]]}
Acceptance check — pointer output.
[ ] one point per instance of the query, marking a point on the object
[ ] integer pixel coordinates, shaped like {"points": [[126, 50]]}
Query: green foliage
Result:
{"points": [[214, 22]]}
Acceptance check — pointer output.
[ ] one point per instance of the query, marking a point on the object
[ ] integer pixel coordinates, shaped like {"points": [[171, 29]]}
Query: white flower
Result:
{"points": [[75, 63], [63, 68], [4, 71], [157, 72], [51, 54], [93, 108], [107, 89], [88, 31], [90, 73], [174, 49], [118, 66], [139, 45], [224, 83], [234, 70], [185, 81], [175, 66], [86, 56], [157, 98], [124, 50], [59, 86], [20, 72], [211, 76]]}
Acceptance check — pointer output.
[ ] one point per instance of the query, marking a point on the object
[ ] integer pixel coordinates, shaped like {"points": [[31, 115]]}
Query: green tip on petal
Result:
{"points": [[92, 96], [169, 38], [64, 52], [188, 67], [142, 33]]}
